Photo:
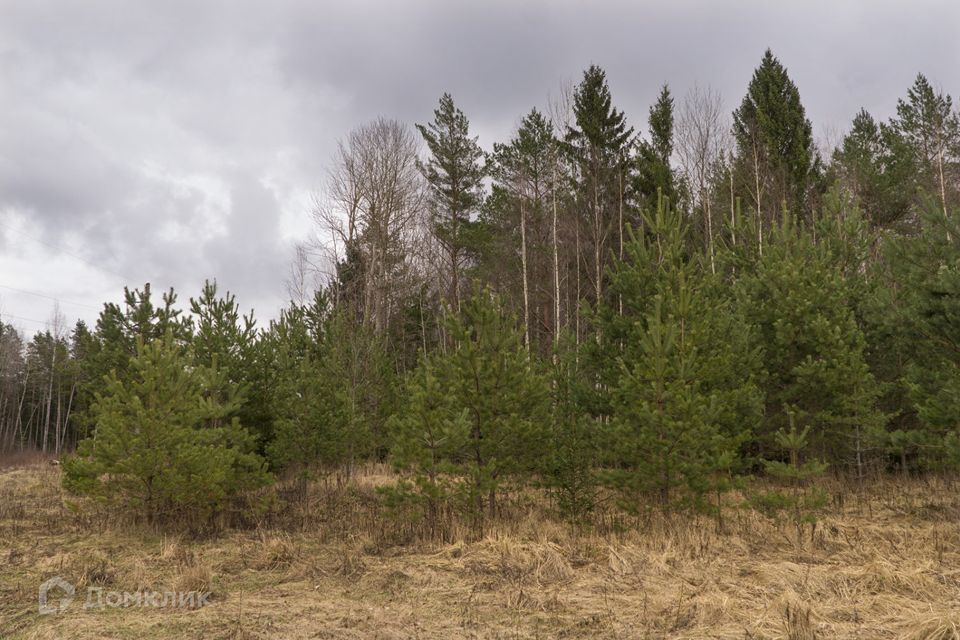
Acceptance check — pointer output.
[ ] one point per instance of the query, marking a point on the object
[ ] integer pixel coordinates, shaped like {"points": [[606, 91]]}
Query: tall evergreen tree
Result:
{"points": [[683, 391], [518, 209], [597, 146], [455, 175], [931, 130], [654, 173], [872, 167], [777, 161]]}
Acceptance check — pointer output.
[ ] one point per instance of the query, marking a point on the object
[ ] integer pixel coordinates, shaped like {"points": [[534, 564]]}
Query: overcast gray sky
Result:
{"points": [[177, 140]]}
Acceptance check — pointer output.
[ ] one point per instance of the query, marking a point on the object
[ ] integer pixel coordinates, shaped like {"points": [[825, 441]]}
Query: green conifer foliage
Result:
{"points": [[777, 159], [685, 397], [803, 302], [455, 173], [490, 385], [163, 444]]}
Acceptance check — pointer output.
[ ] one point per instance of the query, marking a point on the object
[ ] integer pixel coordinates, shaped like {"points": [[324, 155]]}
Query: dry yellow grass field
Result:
{"points": [[884, 566]]}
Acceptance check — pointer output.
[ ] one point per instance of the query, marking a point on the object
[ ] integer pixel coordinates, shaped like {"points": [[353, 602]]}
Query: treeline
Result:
{"points": [[599, 312]]}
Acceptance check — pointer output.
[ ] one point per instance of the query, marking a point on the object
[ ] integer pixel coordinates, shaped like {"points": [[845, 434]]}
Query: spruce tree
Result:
{"points": [[597, 147], [777, 160], [654, 174]]}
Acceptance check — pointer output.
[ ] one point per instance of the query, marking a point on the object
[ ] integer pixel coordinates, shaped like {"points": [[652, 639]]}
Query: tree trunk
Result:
{"points": [[556, 263], [756, 177], [523, 261]]}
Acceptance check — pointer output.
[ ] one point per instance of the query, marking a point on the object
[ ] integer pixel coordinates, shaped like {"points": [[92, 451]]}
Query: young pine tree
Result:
{"points": [[685, 397], [800, 500], [493, 389], [570, 469], [163, 445], [430, 442], [802, 297], [926, 312]]}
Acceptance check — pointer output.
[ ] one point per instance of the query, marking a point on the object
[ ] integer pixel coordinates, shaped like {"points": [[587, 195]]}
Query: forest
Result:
{"points": [[625, 317]]}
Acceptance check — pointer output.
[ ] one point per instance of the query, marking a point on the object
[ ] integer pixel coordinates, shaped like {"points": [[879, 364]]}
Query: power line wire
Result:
{"points": [[54, 298], [10, 315]]}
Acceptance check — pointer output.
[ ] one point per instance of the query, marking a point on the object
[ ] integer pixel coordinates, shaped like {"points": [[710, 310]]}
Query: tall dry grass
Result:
{"points": [[332, 562]]}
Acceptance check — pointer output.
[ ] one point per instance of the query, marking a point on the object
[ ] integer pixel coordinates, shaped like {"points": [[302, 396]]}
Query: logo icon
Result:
{"points": [[49, 588]]}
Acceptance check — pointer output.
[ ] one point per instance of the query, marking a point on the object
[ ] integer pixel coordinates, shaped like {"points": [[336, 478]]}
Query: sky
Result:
{"points": [[177, 141]]}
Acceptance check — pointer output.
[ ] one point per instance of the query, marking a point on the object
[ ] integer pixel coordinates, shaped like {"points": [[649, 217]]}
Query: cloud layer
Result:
{"points": [[176, 141]]}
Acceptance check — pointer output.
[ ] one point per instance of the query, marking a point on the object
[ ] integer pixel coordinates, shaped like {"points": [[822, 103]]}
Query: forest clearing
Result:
{"points": [[442, 320], [885, 566]]}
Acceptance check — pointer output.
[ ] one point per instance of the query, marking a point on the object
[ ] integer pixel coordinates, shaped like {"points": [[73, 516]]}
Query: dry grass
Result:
{"points": [[887, 566]]}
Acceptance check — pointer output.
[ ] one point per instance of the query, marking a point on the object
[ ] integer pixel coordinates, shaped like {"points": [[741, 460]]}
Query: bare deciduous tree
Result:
{"points": [[369, 214], [701, 140]]}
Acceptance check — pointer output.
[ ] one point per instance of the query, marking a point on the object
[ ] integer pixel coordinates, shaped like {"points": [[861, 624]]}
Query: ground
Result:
{"points": [[883, 566]]}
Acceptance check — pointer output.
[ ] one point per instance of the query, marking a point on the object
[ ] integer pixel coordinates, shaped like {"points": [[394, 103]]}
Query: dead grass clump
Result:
{"points": [[350, 564], [514, 562], [880, 576], [197, 577], [137, 576], [91, 567], [275, 551], [623, 560], [936, 628], [394, 583], [26, 458], [797, 619]]}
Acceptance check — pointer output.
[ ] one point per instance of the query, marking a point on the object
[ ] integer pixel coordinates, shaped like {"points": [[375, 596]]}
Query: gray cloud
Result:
{"points": [[178, 141]]}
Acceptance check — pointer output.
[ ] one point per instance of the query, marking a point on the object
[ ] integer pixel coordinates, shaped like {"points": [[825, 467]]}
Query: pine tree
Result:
{"points": [[455, 175], [685, 397], [429, 441], [491, 378], [872, 168], [801, 500], [162, 445], [925, 310], [517, 214], [803, 302], [118, 331], [570, 470], [930, 128], [224, 339]]}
